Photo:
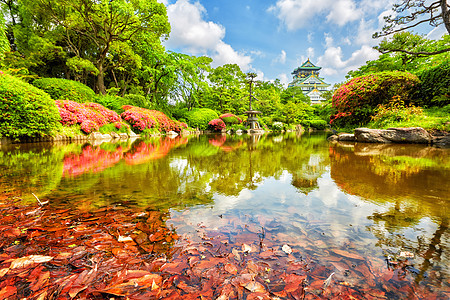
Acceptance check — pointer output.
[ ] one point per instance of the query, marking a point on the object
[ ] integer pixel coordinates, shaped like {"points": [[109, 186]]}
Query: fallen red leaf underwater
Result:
{"points": [[53, 253]]}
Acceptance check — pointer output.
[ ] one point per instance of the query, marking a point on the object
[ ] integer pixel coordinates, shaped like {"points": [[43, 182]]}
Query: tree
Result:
{"points": [[4, 43], [294, 94], [227, 87], [91, 29], [401, 60], [411, 13]]}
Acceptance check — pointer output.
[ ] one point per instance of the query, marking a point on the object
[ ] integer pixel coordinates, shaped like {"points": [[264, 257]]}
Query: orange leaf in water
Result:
{"points": [[29, 260], [255, 287], [231, 268], [134, 285], [7, 291], [348, 254]]}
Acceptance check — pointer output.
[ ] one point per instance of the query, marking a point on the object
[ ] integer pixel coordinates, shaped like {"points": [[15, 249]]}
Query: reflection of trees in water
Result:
{"points": [[412, 180], [256, 157]]}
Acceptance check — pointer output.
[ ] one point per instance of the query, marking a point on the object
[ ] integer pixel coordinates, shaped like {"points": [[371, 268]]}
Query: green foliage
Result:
{"points": [[112, 102], [114, 127], [230, 119], [394, 111], [25, 111], [137, 100], [356, 100], [200, 117], [4, 43], [434, 87], [64, 89], [318, 124]]}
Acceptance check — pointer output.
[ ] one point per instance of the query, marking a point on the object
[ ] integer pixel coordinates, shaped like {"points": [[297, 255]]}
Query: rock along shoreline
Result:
{"points": [[411, 135]]}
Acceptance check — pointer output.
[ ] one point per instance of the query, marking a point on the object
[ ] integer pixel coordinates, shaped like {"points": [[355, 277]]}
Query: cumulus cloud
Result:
{"points": [[193, 34], [284, 79], [281, 58], [334, 62], [296, 14], [225, 54]]}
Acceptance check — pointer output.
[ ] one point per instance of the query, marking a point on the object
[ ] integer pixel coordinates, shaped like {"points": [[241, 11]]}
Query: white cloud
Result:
{"points": [[365, 32], [284, 79], [225, 54], [296, 14], [334, 63], [192, 33], [328, 40], [310, 37], [344, 11], [437, 33], [310, 52], [281, 59]]}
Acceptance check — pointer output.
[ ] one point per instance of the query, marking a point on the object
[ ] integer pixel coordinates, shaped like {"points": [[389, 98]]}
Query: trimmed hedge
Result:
{"points": [[200, 117], [230, 119], [25, 111], [59, 88]]}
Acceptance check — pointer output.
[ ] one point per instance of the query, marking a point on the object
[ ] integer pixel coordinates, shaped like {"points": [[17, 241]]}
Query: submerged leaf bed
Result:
{"points": [[51, 252]]}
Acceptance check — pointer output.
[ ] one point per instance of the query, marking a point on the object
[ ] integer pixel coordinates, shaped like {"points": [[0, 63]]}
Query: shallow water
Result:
{"points": [[376, 215]]}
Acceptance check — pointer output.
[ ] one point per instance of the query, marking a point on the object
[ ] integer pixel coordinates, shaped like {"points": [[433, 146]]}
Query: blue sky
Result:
{"points": [[273, 37]]}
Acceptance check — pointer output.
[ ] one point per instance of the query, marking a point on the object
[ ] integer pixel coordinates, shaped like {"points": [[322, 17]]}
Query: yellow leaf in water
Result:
{"points": [[124, 239]]}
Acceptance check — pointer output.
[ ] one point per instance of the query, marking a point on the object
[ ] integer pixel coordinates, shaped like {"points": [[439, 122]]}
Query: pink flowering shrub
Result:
{"points": [[216, 125], [82, 112], [230, 119], [110, 115], [356, 100], [141, 119], [89, 126]]}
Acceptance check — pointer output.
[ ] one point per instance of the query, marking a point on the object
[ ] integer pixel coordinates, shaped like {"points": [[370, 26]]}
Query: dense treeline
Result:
{"points": [[115, 49], [111, 53]]}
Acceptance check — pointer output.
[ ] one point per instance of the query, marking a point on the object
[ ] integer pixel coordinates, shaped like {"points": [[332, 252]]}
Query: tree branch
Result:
{"points": [[420, 53]]}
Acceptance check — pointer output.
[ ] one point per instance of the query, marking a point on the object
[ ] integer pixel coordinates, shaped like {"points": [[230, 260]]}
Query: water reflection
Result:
{"points": [[410, 184], [334, 202]]}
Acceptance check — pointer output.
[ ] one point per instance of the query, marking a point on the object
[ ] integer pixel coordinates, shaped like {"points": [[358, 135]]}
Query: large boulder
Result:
{"points": [[415, 135]]}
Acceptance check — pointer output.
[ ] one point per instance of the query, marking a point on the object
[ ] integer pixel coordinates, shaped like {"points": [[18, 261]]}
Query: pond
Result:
{"points": [[300, 217]]}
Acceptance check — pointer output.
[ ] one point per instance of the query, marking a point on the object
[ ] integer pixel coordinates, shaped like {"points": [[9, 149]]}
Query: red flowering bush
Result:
{"points": [[216, 125], [82, 112], [110, 115], [356, 100], [68, 118], [230, 119], [89, 126], [141, 119]]}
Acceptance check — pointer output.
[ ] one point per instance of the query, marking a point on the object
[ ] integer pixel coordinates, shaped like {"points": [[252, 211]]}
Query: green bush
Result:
{"points": [[137, 100], [25, 111], [434, 87], [200, 117], [64, 89], [111, 102], [318, 124]]}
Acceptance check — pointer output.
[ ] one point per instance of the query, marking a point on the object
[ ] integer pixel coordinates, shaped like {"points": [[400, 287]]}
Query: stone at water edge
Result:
{"points": [[412, 135], [346, 137]]}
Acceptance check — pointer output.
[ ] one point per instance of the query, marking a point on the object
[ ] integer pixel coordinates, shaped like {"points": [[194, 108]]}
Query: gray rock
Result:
{"points": [[442, 140], [333, 138], [346, 137], [415, 135]]}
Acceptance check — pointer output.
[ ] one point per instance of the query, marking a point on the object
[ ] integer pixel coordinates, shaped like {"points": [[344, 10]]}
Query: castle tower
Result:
{"points": [[307, 78]]}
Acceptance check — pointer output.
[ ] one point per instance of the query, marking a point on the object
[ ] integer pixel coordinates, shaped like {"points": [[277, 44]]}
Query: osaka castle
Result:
{"points": [[307, 78]]}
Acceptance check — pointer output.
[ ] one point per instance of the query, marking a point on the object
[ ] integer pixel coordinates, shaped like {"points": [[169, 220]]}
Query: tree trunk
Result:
{"points": [[445, 15], [100, 86]]}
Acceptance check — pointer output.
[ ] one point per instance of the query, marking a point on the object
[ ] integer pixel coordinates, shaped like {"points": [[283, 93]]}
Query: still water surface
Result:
{"points": [[337, 204]]}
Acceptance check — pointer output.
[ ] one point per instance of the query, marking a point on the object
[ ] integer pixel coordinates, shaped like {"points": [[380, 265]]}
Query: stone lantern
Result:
{"points": [[252, 115]]}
